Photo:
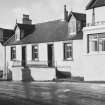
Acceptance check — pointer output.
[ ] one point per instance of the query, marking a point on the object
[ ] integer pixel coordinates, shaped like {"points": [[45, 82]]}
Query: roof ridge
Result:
{"points": [[25, 24], [49, 21]]}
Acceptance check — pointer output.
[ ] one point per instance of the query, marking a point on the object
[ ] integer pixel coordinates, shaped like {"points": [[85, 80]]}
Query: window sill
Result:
{"points": [[96, 53], [13, 60], [71, 59], [35, 60], [72, 33]]}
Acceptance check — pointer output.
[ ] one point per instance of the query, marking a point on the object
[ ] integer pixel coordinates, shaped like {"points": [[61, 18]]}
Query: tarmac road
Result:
{"points": [[50, 93]]}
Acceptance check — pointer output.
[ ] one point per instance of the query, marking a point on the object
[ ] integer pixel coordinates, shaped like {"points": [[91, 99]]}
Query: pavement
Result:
{"points": [[51, 93]]}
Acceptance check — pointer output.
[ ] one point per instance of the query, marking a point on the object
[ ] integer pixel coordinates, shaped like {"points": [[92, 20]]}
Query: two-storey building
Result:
{"points": [[94, 41]]}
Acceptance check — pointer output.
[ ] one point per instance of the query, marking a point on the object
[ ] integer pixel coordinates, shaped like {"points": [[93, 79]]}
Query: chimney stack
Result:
{"points": [[26, 19], [65, 14]]}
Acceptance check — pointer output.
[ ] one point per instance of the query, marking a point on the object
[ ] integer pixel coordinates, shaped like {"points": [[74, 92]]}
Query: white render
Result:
{"points": [[94, 62], [99, 15], [40, 73], [2, 57]]}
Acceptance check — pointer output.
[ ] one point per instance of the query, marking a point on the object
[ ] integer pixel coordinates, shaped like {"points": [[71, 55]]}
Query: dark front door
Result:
{"points": [[23, 55], [50, 55]]}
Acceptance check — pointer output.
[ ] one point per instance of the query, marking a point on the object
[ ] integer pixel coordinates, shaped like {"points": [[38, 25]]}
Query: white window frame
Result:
{"points": [[100, 39], [35, 52], [69, 51], [13, 53]]}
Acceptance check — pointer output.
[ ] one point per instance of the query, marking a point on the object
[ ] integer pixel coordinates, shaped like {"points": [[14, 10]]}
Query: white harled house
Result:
{"points": [[45, 51]]}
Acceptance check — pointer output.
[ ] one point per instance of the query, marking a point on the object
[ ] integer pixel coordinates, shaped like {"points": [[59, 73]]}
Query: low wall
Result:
{"points": [[37, 74]]}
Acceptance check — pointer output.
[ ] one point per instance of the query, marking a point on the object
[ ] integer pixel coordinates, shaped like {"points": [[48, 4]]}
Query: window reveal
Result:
{"points": [[13, 53], [96, 42], [67, 51], [35, 52]]}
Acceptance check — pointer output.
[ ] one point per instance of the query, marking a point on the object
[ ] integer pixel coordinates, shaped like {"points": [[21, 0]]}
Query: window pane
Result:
{"points": [[67, 50], [95, 45], [97, 42], [13, 53], [34, 52], [102, 42], [103, 45], [100, 45], [93, 42]]}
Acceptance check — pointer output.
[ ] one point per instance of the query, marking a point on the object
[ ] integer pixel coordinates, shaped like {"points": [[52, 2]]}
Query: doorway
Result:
{"points": [[23, 55], [50, 55]]}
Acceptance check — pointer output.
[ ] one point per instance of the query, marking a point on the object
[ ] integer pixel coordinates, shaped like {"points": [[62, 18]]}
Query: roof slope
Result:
{"points": [[46, 32], [26, 28], [5, 34], [95, 3]]}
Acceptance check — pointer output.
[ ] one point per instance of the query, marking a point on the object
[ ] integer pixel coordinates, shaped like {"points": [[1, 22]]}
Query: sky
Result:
{"points": [[39, 10]]}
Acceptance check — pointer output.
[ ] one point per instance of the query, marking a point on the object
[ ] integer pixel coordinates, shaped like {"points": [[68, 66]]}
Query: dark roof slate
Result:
{"points": [[46, 32], [7, 33], [78, 16], [95, 3], [27, 28]]}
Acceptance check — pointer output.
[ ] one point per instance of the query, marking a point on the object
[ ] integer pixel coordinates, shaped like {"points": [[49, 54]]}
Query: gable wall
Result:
{"points": [[17, 33], [72, 19]]}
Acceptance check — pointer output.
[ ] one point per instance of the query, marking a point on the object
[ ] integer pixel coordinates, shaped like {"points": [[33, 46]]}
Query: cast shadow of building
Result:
{"points": [[9, 75], [26, 74]]}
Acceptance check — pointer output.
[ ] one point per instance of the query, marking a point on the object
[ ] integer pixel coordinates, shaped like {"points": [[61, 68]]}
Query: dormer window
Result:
{"points": [[72, 26], [76, 22], [17, 34]]}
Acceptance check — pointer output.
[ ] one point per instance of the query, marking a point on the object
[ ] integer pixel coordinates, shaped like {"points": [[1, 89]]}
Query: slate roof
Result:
{"points": [[46, 32], [78, 16], [95, 3], [26, 28], [7, 33]]}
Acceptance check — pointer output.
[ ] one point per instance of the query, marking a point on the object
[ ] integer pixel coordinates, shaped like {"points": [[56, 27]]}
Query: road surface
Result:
{"points": [[50, 93]]}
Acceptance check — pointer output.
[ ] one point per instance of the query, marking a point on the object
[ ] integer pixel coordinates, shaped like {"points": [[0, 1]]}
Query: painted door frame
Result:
{"points": [[50, 54], [24, 59]]}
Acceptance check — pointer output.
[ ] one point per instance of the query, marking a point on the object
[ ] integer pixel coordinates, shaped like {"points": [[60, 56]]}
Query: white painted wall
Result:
{"points": [[29, 52], [74, 66], [43, 73], [19, 52], [99, 14], [93, 63], [17, 74], [2, 57], [9, 62], [8, 56], [36, 73], [42, 54]]}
